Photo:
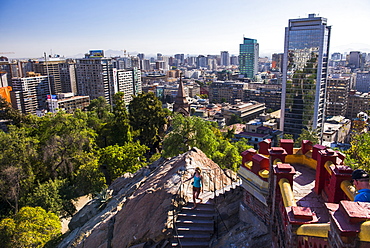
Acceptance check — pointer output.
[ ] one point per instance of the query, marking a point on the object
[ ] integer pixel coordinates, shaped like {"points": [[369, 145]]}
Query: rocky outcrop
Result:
{"points": [[139, 212]]}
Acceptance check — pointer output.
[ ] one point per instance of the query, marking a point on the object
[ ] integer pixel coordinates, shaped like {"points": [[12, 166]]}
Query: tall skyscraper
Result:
{"points": [[225, 58], [248, 58], [306, 51], [94, 76], [63, 72]]}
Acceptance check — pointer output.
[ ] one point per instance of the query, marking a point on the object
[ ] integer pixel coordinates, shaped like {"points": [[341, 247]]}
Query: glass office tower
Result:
{"points": [[306, 50], [248, 58]]}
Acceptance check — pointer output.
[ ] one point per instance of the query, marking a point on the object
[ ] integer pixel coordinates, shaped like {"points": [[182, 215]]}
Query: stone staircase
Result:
{"points": [[195, 226]]}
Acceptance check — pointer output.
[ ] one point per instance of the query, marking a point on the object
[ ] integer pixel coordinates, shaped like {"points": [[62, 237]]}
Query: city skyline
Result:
{"points": [[70, 28]]}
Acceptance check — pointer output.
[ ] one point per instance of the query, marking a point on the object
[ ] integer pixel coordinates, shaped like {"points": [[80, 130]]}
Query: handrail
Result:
{"points": [[176, 201], [182, 191]]}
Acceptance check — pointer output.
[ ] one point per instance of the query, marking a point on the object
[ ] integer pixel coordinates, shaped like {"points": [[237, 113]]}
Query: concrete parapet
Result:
{"points": [[264, 146], [306, 146], [287, 144]]}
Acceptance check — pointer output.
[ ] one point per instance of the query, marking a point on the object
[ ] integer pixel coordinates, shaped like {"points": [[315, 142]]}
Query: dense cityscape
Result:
{"points": [[307, 88], [220, 87]]}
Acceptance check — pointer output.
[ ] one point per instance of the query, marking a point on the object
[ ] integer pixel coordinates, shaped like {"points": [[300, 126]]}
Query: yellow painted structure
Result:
{"points": [[263, 173], [316, 230], [301, 159], [287, 193], [364, 235], [348, 189]]}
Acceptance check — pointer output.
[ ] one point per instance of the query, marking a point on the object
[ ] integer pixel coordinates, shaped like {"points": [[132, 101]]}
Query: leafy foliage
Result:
{"points": [[66, 143], [189, 132], [46, 195], [308, 134], [17, 158], [118, 160], [120, 129], [358, 155], [147, 118], [31, 227]]}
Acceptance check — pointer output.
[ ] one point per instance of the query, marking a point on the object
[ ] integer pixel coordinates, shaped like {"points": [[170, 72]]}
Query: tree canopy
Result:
{"points": [[358, 154], [147, 118], [189, 132], [30, 227]]}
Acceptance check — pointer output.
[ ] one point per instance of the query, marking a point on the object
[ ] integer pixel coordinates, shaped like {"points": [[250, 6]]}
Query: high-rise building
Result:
{"points": [[180, 58], [63, 72], [30, 93], [94, 75], [201, 62], [357, 102], [277, 61], [306, 51], [336, 56], [248, 58], [337, 95], [225, 58], [363, 81], [159, 56], [141, 56], [145, 65], [234, 60], [128, 82]]}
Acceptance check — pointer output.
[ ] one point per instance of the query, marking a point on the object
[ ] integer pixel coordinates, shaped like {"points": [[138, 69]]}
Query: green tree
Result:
{"points": [[31, 227], [148, 118], [17, 158], [308, 134], [101, 108], [46, 195], [7, 112], [119, 130], [189, 132], [117, 160], [358, 155], [227, 155], [66, 143], [287, 136], [235, 119]]}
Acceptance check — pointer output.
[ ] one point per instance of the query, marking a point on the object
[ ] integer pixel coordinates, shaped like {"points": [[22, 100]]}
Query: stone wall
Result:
{"points": [[237, 225]]}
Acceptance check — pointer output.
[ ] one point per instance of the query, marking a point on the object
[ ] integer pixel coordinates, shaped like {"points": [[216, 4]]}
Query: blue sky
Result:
{"points": [[70, 27]]}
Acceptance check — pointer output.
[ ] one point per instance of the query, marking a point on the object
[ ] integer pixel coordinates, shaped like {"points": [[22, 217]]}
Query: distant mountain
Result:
{"points": [[361, 47]]}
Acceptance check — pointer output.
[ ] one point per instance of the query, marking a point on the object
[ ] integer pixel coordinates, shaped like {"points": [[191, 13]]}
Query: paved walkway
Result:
{"points": [[304, 193]]}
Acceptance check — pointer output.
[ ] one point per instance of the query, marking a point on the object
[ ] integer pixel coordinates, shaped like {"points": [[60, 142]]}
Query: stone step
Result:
{"points": [[192, 244], [200, 207], [186, 230], [203, 237], [190, 222], [198, 215]]}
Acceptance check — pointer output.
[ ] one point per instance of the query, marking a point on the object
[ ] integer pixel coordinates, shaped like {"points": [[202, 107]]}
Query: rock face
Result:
{"points": [[139, 213]]}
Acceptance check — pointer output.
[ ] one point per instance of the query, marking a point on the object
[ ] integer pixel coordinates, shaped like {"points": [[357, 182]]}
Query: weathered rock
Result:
{"points": [[139, 211], [84, 215]]}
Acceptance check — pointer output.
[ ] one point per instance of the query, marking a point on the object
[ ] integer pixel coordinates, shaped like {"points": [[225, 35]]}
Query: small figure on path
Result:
{"points": [[197, 185]]}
